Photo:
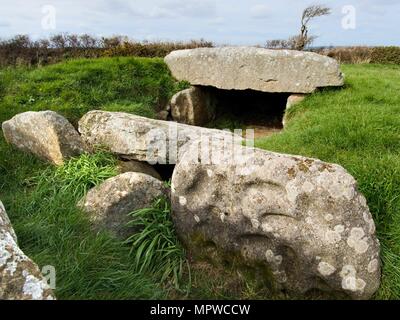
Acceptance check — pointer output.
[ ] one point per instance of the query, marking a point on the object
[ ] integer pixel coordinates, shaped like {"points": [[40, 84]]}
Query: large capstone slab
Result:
{"points": [[138, 138], [241, 68], [20, 277], [299, 221]]}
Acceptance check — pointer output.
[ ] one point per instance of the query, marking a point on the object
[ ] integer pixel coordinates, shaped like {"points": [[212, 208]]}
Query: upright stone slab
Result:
{"points": [[194, 106], [241, 68]]}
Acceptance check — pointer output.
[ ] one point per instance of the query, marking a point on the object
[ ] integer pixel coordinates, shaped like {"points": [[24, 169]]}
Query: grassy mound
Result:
{"points": [[138, 85], [357, 127]]}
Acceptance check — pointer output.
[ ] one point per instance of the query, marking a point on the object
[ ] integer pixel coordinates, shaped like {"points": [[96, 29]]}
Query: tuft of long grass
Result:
{"points": [[83, 173], [156, 248], [68, 183]]}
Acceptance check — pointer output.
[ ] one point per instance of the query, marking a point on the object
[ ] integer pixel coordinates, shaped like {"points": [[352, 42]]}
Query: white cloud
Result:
{"points": [[169, 9], [260, 11], [217, 21], [158, 12], [190, 8]]}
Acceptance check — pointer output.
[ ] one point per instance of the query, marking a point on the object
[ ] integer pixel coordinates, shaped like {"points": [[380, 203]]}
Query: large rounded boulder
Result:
{"points": [[45, 134], [300, 221], [109, 204]]}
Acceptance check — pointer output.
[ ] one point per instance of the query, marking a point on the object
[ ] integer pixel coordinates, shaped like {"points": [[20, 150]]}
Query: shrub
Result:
{"points": [[151, 49], [21, 50], [385, 55], [357, 55], [352, 55]]}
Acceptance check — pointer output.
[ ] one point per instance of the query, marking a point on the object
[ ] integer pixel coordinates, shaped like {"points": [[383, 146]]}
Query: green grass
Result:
{"points": [[357, 127], [156, 248], [72, 88]]}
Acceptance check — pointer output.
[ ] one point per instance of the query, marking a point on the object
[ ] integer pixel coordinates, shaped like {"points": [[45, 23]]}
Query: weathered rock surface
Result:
{"points": [[292, 100], [20, 277], [162, 115], [139, 167], [241, 68], [301, 221], [193, 106], [137, 138], [110, 203], [45, 134]]}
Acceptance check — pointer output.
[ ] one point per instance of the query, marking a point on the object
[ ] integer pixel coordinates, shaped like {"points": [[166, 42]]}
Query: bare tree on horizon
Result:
{"points": [[302, 40]]}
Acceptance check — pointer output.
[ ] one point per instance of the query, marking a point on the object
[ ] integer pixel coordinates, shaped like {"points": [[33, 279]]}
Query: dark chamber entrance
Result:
{"points": [[238, 109]]}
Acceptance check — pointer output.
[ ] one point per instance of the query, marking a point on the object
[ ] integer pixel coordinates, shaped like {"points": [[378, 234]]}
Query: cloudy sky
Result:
{"points": [[353, 22]]}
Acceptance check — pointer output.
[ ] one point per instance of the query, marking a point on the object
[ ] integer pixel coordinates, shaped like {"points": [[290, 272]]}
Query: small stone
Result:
{"points": [[139, 167]]}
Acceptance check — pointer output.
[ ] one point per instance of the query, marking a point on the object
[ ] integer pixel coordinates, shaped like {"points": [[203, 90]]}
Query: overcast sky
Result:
{"points": [[377, 22]]}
